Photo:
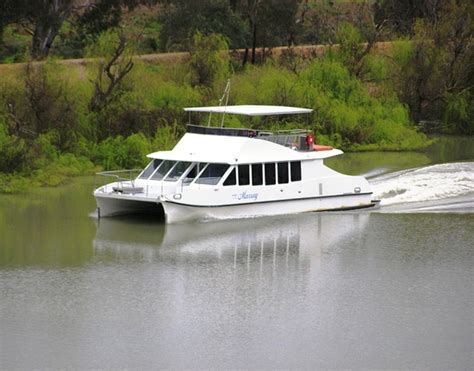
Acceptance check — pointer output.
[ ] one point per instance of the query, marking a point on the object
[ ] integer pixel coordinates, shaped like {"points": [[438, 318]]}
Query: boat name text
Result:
{"points": [[245, 196]]}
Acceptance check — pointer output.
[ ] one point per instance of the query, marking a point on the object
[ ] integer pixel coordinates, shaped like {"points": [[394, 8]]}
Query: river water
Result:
{"points": [[386, 288]]}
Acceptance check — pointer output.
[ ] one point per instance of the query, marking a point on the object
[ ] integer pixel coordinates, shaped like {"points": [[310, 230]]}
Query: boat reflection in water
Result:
{"points": [[250, 243]]}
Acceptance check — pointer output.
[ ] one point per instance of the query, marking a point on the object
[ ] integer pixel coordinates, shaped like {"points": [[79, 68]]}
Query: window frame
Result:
{"points": [[274, 173], [198, 173], [147, 166], [287, 172], [232, 168], [249, 175], [165, 175], [219, 182], [300, 171], [262, 175]]}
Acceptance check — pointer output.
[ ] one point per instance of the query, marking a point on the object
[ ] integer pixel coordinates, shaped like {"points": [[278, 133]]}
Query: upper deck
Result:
{"points": [[234, 145], [295, 139]]}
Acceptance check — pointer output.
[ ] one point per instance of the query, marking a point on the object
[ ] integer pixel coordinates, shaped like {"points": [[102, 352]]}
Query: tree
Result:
{"points": [[115, 64], [9, 13], [401, 15], [103, 15], [435, 78], [182, 19], [43, 19], [246, 23], [47, 18], [270, 23], [43, 106], [357, 37], [208, 61]]}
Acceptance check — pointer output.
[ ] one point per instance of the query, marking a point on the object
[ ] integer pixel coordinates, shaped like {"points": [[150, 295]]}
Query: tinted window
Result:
{"points": [[212, 174], [150, 169], [282, 172], [244, 175], [270, 174], [163, 170], [231, 179], [193, 172], [177, 171], [257, 175], [295, 167]]}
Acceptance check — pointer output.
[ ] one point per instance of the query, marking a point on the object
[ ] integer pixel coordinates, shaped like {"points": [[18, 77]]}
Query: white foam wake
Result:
{"points": [[430, 183]]}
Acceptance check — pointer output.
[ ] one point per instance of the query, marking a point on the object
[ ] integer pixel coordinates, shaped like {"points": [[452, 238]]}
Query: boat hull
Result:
{"points": [[114, 206], [177, 212]]}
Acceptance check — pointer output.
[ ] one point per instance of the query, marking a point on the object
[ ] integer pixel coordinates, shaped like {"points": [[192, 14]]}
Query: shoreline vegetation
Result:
{"points": [[61, 118]]}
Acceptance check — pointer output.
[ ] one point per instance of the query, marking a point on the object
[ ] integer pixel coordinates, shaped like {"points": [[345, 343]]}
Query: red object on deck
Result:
{"points": [[310, 140], [318, 147]]}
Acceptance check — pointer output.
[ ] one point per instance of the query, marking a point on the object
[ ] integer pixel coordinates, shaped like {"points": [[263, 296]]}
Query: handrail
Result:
{"points": [[120, 179], [292, 139], [285, 131], [105, 173]]}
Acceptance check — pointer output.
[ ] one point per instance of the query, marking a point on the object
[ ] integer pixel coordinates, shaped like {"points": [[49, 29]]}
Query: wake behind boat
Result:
{"points": [[225, 173]]}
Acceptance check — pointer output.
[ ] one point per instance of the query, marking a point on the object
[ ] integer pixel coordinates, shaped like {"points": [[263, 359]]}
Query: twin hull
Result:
{"points": [[200, 202]]}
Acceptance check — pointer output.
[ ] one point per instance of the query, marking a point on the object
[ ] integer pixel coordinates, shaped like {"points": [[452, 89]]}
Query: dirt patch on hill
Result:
{"points": [[305, 52]]}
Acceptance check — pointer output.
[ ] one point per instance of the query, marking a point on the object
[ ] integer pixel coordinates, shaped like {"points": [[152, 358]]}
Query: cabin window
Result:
{"points": [[295, 167], [244, 175], [177, 171], [282, 172], [231, 179], [212, 174], [152, 166], [270, 174], [257, 174], [162, 170], [194, 172]]}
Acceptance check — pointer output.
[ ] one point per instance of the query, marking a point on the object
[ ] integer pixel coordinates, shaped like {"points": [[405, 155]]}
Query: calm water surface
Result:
{"points": [[391, 288]]}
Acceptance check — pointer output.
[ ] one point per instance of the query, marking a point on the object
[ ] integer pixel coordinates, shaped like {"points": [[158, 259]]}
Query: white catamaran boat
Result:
{"points": [[224, 173]]}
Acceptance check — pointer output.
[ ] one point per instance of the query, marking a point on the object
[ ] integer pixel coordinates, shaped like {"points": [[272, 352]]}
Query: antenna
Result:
{"points": [[226, 96]]}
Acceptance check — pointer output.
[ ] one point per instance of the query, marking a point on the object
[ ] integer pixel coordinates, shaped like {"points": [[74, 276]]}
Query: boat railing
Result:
{"points": [[124, 181], [295, 139]]}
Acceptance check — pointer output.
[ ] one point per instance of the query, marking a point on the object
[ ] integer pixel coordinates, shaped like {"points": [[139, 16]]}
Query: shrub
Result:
{"points": [[122, 153], [165, 138], [209, 61], [13, 151]]}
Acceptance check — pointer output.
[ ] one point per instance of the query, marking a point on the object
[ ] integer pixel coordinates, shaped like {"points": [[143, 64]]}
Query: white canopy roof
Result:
{"points": [[251, 110], [235, 150]]}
